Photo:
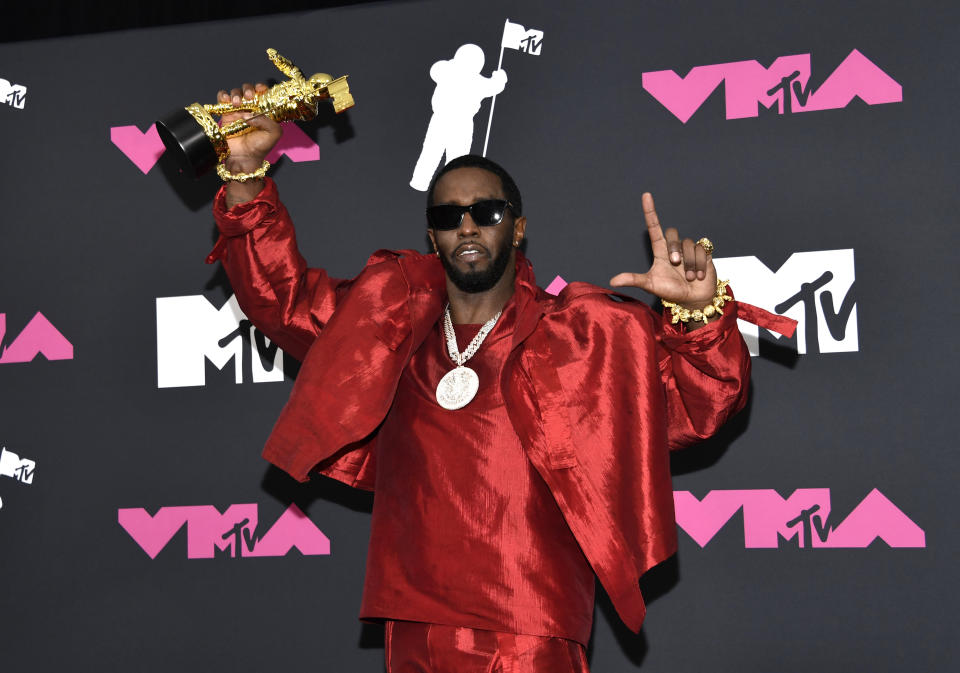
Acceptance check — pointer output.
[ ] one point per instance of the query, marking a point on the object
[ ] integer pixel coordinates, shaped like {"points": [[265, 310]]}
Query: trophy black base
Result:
{"points": [[185, 139]]}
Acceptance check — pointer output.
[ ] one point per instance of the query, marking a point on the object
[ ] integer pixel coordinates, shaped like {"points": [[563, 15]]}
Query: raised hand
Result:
{"points": [[248, 151], [682, 272]]}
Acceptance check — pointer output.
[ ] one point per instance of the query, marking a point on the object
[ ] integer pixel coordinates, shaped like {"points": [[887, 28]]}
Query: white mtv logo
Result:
{"points": [[813, 288], [191, 330], [13, 94], [12, 465]]}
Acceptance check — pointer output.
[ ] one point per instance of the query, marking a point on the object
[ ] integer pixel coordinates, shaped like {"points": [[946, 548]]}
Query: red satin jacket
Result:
{"points": [[597, 387]]}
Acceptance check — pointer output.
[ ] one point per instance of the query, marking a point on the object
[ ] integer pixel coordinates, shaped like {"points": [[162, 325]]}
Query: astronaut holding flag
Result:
{"points": [[460, 91], [457, 97]]}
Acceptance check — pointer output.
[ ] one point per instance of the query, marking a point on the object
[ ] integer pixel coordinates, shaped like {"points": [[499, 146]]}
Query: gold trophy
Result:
{"points": [[195, 136]]}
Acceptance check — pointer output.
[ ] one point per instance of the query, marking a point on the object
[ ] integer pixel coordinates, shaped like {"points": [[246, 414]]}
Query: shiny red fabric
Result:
{"points": [[595, 387], [413, 647], [464, 530]]}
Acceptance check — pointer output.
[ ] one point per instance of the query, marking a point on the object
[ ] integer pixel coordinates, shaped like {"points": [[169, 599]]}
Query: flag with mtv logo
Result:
{"points": [[515, 36], [12, 94]]}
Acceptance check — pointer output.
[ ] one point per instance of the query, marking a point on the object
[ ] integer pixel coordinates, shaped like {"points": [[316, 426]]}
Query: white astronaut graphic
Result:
{"points": [[460, 90]]}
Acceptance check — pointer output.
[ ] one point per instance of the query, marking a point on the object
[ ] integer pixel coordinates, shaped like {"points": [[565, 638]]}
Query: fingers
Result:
{"points": [[674, 246], [242, 96], [242, 93], [245, 92], [689, 259], [692, 256], [702, 259], [640, 280], [657, 241], [667, 245], [260, 121]]}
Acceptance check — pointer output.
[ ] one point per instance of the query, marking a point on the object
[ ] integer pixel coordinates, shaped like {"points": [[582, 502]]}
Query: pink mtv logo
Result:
{"points": [[784, 84], [767, 517], [233, 533], [39, 337], [144, 149]]}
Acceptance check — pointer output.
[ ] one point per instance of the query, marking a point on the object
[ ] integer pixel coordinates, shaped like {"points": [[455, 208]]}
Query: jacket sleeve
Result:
{"points": [[258, 249], [705, 374]]}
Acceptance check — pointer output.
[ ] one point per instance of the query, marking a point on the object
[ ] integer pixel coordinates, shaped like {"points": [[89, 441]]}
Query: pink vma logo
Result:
{"points": [[144, 149], [39, 337], [786, 84], [232, 534], [803, 516]]}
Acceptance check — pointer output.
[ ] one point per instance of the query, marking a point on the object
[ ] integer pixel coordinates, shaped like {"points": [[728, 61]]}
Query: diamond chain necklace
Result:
{"points": [[460, 385], [471, 349]]}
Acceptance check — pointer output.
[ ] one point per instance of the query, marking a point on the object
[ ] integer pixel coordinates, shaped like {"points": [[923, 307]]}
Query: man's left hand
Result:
{"points": [[682, 272]]}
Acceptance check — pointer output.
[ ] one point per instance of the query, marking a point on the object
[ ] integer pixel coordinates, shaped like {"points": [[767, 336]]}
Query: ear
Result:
{"points": [[433, 239], [519, 228]]}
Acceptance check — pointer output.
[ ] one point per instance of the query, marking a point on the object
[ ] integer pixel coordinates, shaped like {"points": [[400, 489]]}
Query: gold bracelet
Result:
{"points": [[681, 314], [227, 176]]}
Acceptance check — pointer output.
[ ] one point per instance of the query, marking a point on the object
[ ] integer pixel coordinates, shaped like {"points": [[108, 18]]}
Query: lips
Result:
{"points": [[469, 252]]}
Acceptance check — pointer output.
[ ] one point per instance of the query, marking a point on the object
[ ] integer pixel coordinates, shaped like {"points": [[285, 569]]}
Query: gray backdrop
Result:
{"points": [[91, 242]]}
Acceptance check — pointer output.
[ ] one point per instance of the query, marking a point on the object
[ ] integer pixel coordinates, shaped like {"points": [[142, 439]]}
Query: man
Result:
{"points": [[508, 471]]}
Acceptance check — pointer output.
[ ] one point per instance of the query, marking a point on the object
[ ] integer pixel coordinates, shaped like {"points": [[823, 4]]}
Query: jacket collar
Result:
{"points": [[527, 296]]}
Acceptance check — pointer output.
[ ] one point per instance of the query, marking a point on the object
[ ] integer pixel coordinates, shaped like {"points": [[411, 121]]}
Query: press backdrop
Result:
{"points": [[815, 143]]}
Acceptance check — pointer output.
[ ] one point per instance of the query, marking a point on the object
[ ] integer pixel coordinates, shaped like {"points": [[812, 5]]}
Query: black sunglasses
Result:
{"points": [[485, 213]]}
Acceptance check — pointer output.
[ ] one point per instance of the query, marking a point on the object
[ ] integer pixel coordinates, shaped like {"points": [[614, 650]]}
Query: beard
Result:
{"points": [[480, 280]]}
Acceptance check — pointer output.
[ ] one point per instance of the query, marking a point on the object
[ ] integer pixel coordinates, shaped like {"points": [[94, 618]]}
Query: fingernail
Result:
{"points": [[675, 257]]}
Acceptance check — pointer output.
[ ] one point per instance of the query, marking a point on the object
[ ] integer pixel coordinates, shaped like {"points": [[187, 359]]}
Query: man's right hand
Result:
{"points": [[247, 151]]}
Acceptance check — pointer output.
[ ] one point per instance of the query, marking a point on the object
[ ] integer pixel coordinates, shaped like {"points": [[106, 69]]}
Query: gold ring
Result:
{"points": [[706, 245]]}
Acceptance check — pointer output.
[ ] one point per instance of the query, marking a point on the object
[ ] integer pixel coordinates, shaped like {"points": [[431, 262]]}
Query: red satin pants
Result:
{"points": [[414, 647]]}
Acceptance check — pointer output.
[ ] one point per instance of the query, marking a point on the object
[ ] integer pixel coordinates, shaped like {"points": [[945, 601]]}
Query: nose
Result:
{"points": [[467, 226]]}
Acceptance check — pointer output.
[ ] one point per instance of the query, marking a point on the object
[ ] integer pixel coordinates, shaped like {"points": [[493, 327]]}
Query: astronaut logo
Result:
{"points": [[191, 331], [814, 288], [460, 90], [12, 465], [14, 95]]}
